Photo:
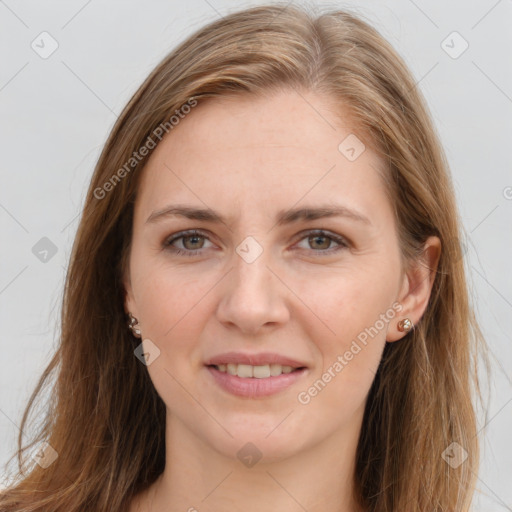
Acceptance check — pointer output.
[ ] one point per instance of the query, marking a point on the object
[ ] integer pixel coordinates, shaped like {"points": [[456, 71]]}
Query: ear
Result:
{"points": [[416, 287], [129, 299]]}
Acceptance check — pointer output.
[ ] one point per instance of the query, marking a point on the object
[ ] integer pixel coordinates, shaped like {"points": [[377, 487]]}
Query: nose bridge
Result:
{"points": [[251, 295], [250, 270]]}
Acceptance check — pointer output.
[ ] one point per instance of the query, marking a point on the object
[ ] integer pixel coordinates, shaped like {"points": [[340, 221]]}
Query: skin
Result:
{"points": [[247, 158]]}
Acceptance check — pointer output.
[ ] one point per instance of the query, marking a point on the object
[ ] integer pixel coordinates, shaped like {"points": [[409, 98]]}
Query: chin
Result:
{"points": [[269, 442]]}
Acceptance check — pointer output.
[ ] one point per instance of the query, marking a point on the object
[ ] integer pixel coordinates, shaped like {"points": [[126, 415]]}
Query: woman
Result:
{"points": [[266, 304]]}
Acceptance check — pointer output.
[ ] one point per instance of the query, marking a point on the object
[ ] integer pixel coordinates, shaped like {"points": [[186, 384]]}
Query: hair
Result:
{"points": [[105, 419]]}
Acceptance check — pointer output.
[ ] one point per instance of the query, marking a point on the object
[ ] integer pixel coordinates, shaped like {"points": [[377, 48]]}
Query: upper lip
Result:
{"points": [[254, 359]]}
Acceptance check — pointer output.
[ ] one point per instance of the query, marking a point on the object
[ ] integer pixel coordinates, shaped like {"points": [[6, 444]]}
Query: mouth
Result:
{"points": [[255, 382], [247, 371]]}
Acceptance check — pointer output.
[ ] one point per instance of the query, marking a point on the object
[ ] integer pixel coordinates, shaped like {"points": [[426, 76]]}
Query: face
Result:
{"points": [[320, 292]]}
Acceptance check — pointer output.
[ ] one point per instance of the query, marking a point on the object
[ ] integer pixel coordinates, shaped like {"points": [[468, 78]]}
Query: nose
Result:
{"points": [[252, 296]]}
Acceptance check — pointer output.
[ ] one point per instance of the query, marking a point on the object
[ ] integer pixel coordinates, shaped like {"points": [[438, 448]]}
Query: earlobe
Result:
{"points": [[134, 326], [404, 325], [416, 289], [130, 309]]}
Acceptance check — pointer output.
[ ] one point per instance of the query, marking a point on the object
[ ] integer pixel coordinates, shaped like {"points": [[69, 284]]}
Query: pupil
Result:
{"points": [[187, 238], [319, 237]]}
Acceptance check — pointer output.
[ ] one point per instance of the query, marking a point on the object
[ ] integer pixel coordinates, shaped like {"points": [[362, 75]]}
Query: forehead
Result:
{"points": [[255, 152]]}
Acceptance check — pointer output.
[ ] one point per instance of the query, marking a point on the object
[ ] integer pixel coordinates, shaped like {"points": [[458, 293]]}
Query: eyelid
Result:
{"points": [[182, 234], [342, 242]]}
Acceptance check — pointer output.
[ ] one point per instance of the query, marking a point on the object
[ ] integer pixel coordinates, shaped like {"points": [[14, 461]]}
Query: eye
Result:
{"points": [[191, 243], [320, 242]]}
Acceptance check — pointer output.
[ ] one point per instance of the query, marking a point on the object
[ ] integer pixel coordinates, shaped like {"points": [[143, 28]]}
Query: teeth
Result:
{"points": [[258, 372]]}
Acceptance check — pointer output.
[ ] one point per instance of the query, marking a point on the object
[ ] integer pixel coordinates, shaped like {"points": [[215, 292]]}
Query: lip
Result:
{"points": [[254, 359], [251, 387]]}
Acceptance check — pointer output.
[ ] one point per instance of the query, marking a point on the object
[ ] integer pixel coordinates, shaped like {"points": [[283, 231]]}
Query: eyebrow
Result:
{"points": [[283, 216]]}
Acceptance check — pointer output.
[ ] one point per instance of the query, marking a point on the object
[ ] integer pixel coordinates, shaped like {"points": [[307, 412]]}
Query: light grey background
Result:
{"points": [[56, 112]]}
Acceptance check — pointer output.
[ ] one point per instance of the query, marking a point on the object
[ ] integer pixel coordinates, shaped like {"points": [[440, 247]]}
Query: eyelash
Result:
{"points": [[343, 244]]}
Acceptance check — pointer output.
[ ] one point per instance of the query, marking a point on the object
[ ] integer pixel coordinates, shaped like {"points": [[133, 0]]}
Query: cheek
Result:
{"points": [[174, 311], [349, 358], [176, 305], [354, 314], [344, 306], [168, 299]]}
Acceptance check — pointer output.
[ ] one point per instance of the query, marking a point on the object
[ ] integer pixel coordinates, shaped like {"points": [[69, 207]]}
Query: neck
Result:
{"points": [[199, 478]]}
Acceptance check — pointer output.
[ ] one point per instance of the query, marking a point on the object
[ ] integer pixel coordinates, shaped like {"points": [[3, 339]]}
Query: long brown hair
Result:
{"points": [[104, 418]]}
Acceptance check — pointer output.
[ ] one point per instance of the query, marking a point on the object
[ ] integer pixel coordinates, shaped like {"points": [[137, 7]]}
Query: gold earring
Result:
{"points": [[133, 325], [405, 325]]}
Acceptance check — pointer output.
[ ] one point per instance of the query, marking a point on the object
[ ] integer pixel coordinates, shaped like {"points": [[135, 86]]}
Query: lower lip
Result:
{"points": [[252, 387]]}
